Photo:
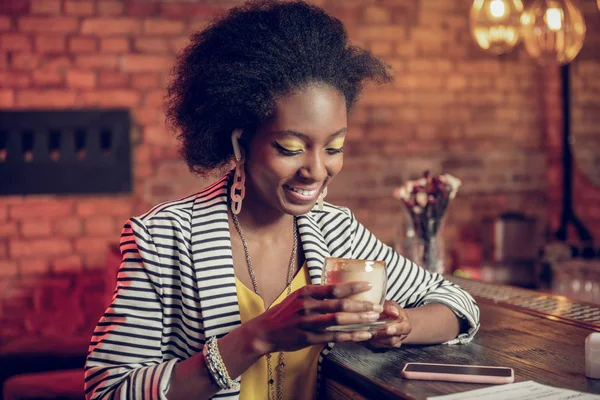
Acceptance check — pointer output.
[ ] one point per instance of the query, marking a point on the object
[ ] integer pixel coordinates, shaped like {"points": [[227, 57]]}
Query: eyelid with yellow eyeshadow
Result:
{"points": [[336, 143], [290, 145]]}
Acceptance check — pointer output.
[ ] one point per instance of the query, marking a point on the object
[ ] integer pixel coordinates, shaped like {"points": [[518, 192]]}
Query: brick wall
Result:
{"points": [[452, 108], [585, 85]]}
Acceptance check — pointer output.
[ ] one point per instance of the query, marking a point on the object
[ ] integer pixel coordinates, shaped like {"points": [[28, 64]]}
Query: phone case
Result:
{"points": [[436, 376]]}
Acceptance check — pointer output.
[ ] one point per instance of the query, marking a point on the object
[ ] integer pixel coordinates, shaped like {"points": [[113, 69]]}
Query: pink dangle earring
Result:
{"points": [[321, 197], [239, 178]]}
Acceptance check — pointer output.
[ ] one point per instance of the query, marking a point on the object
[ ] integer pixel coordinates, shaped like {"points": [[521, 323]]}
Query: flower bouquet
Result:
{"points": [[426, 201]]}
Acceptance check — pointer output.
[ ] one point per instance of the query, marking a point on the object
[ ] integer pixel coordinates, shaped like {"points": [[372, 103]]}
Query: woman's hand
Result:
{"points": [[302, 318], [394, 334]]}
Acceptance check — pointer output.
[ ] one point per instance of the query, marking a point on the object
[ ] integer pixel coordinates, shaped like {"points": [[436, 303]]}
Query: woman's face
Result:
{"points": [[294, 156]]}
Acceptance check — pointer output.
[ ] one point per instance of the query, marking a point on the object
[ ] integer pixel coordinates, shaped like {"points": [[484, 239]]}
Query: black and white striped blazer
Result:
{"points": [[176, 287]]}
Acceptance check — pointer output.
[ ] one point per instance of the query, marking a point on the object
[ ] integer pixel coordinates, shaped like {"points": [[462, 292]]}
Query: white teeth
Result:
{"points": [[304, 192]]}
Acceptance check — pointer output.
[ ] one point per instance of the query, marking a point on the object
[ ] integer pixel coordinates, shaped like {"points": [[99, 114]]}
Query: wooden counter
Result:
{"points": [[543, 346]]}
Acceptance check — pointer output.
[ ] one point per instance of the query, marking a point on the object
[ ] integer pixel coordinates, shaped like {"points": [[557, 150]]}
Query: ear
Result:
{"points": [[235, 142]]}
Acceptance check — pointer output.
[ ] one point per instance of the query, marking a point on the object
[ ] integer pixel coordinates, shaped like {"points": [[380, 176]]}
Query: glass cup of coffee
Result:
{"points": [[342, 270]]}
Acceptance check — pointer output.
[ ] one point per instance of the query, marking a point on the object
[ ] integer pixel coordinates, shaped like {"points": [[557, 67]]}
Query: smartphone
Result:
{"points": [[458, 373]]}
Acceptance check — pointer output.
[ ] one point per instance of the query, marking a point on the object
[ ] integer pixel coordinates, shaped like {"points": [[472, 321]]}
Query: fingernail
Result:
{"points": [[378, 308], [364, 336], [361, 286], [391, 330], [371, 316], [394, 310]]}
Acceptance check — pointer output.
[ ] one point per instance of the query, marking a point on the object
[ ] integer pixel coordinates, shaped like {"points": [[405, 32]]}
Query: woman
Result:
{"points": [[226, 283]]}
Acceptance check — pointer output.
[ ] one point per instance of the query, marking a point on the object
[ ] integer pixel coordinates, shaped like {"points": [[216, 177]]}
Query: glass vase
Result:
{"points": [[430, 250]]}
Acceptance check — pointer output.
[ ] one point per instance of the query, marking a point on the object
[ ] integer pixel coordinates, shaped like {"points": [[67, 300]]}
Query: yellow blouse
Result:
{"points": [[300, 373]]}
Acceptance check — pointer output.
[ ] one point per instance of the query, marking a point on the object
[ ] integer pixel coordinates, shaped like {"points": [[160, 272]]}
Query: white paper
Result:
{"points": [[528, 390]]}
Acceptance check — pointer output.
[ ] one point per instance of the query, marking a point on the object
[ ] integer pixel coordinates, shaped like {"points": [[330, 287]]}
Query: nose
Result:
{"points": [[314, 167]]}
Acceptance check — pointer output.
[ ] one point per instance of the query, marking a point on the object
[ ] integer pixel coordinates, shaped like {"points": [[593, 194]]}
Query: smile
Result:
{"points": [[302, 194]]}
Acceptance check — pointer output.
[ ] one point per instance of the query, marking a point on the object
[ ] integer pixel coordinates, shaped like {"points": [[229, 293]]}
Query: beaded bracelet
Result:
{"points": [[216, 367]]}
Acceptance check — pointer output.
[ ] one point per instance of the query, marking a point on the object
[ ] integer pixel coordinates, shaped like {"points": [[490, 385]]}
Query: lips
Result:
{"points": [[302, 193]]}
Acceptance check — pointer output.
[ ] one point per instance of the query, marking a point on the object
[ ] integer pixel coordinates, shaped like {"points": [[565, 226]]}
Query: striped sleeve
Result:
{"points": [[125, 360], [412, 286]]}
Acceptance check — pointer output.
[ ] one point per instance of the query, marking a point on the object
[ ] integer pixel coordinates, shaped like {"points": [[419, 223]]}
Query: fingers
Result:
{"points": [[337, 305], [319, 322], [339, 290], [394, 341], [392, 310], [326, 337], [392, 336]]}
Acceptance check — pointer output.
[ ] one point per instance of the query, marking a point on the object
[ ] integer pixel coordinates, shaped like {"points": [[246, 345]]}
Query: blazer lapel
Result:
{"points": [[313, 244], [213, 261]]}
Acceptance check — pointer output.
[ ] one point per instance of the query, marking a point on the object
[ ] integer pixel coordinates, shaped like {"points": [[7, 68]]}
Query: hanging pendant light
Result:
{"points": [[495, 24], [553, 31]]}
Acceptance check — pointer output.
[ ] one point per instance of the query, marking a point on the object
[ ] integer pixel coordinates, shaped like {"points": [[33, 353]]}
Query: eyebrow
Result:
{"points": [[304, 136]]}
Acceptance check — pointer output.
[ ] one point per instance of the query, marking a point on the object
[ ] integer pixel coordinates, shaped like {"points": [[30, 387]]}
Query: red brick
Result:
{"points": [[3, 212], [113, 79], [14, 79], [46, 7], [8, 268], [93, 245], [142, 8], [39, 247], [163, 27], [154, 98], [114, 45], [15, 41], [195, 26], [95, 262], [110, 8], [70, 263], [48, 24], [5, 23], [14, 7], [146, 63], [146, 45], [158, 135], [55, 63], [7, 100], [162, 190], [143, 171], [3, 252], [376, 15], [34, 266], [81, 79], [93, 61], [68, 226], [82, 44], [111, 26], [147, 116], [145, 81], [36, 228], [25, 61], [51, 208], [382, 48], [187, 10], [50, 44], [45, 77], [381, 32], [178, 44], [100, 225], [115, 206], [110, 98], [8, 229], [46, 98], [79, 7]]}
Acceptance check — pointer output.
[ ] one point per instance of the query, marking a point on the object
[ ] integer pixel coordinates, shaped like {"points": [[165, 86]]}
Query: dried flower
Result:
{"points": [[426, 200]]}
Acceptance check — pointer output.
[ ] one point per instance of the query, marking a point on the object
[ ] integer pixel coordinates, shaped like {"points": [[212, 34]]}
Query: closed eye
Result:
{"points": [[285, 151], [335, 150]]}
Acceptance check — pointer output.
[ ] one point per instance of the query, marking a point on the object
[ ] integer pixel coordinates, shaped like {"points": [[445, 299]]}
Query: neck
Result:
{"points": [[258, 218]]}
